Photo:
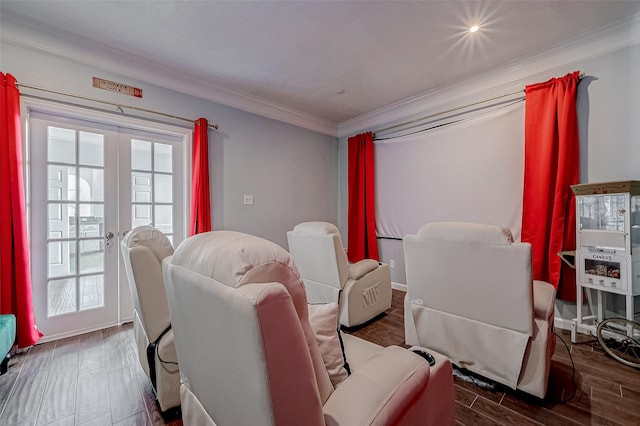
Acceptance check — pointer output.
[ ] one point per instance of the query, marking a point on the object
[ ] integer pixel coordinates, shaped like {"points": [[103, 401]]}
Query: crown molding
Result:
{"points": [[148, 71], [500, 80]]}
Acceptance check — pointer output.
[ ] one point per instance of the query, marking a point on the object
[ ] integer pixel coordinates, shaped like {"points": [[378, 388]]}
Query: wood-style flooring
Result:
{"points": [[95, 379], [92, 379]]}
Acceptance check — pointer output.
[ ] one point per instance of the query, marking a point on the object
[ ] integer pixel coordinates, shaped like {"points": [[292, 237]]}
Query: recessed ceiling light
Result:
{"points": [[474, 28]]}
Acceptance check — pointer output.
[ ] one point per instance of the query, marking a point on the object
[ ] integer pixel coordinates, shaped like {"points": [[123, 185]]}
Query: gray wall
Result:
{"points": [[291, 172], [609, 133]]}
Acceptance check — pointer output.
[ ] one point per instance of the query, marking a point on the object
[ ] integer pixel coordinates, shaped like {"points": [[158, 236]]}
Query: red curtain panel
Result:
{"points": [[551, 165], [362, 243], [15, 277], [200, 198]]}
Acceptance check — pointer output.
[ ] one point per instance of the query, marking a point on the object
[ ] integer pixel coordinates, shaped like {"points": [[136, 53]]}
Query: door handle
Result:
{"points": [[108, 236]]}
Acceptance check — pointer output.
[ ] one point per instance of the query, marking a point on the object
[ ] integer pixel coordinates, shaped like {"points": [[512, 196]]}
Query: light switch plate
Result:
{"points": [[248, 200]]}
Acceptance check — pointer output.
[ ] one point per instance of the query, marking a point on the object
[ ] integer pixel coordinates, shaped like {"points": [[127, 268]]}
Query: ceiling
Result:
{"points": [[334, 60]]}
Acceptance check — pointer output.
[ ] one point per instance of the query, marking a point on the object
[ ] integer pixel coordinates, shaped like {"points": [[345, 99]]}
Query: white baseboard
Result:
{"points": [[53, 337], [398, 286]]}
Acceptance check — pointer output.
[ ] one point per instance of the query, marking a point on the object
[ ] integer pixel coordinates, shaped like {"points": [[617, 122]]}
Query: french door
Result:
{"points": [[90, 184]]}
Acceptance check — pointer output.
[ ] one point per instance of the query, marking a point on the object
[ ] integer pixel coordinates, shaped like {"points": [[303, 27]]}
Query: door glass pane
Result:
{"points": [[91, 220], [141, 215], [162, 157], [140, 155], [163, 189], [62, 258], [164, 219], [61, 145], [91, 185], [91, 292], [140, 187], [61, 220], [61, 297], [91, 149], [62, 183], [91, 256]]}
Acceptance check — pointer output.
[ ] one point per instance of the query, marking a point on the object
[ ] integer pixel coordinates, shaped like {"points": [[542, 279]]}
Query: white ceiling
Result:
{"points": [[332, 60]]}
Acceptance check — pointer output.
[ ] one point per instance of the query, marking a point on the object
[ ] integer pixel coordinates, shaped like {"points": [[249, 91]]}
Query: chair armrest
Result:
{"points": [[544, 300], [360, 269], [381, 391]]}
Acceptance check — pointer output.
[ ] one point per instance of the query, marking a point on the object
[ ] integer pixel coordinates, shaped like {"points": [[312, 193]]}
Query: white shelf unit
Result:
{"points": [[607, 249]]}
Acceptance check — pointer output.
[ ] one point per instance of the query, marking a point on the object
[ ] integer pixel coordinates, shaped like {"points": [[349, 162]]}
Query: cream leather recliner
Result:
{"points": [[143, 250], [248, 355], [363, 289], [471, 296]]}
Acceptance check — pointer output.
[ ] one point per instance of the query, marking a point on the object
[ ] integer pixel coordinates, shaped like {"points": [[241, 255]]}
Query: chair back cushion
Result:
{"points": [[466, 232], [143, 250], [243, 338], [473, 271], [319, 254]]}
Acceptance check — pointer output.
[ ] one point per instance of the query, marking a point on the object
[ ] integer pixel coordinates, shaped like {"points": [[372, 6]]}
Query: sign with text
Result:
{"points": [[112, 86]]}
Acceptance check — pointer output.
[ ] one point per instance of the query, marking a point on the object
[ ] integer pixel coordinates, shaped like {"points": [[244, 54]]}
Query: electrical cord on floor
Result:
{"points": [[573, 374]]}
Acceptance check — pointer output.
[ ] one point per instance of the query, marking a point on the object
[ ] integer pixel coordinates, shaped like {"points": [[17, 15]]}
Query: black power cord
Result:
{"points": [[573, 373], [157, 347], [154, 350]]}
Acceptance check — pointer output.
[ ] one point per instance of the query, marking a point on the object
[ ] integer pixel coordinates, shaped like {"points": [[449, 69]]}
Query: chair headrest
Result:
{"points": [[234, 259], [466, 232], [316, 228], [148, 236]]}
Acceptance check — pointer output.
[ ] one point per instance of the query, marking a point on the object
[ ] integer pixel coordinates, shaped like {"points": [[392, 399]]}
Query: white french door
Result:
{"points": [[151, 192], [90, 184]]}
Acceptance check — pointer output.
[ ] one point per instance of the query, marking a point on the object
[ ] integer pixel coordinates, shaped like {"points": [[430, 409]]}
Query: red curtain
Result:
{"points": [[200, 199], [15, 277], [362, 242], [551, 166]]}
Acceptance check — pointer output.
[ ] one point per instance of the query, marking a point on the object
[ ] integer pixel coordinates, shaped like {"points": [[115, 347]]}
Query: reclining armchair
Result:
{"points": [[143, 250], [471, 296], [362, 289], [248, 354]]}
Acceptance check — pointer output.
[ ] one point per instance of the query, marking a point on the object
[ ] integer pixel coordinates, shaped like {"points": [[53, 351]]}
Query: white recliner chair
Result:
{"points": [[362, 289], [471, 296], [248, 354], [143, 250]]}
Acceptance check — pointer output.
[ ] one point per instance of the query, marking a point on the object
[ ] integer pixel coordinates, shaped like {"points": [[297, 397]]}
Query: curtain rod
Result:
{"points": [[406, 123], [117, 105]]}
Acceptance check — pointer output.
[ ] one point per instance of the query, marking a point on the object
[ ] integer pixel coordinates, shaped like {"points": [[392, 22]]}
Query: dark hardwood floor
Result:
{"points": [[95, 379], [92, 379]]}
